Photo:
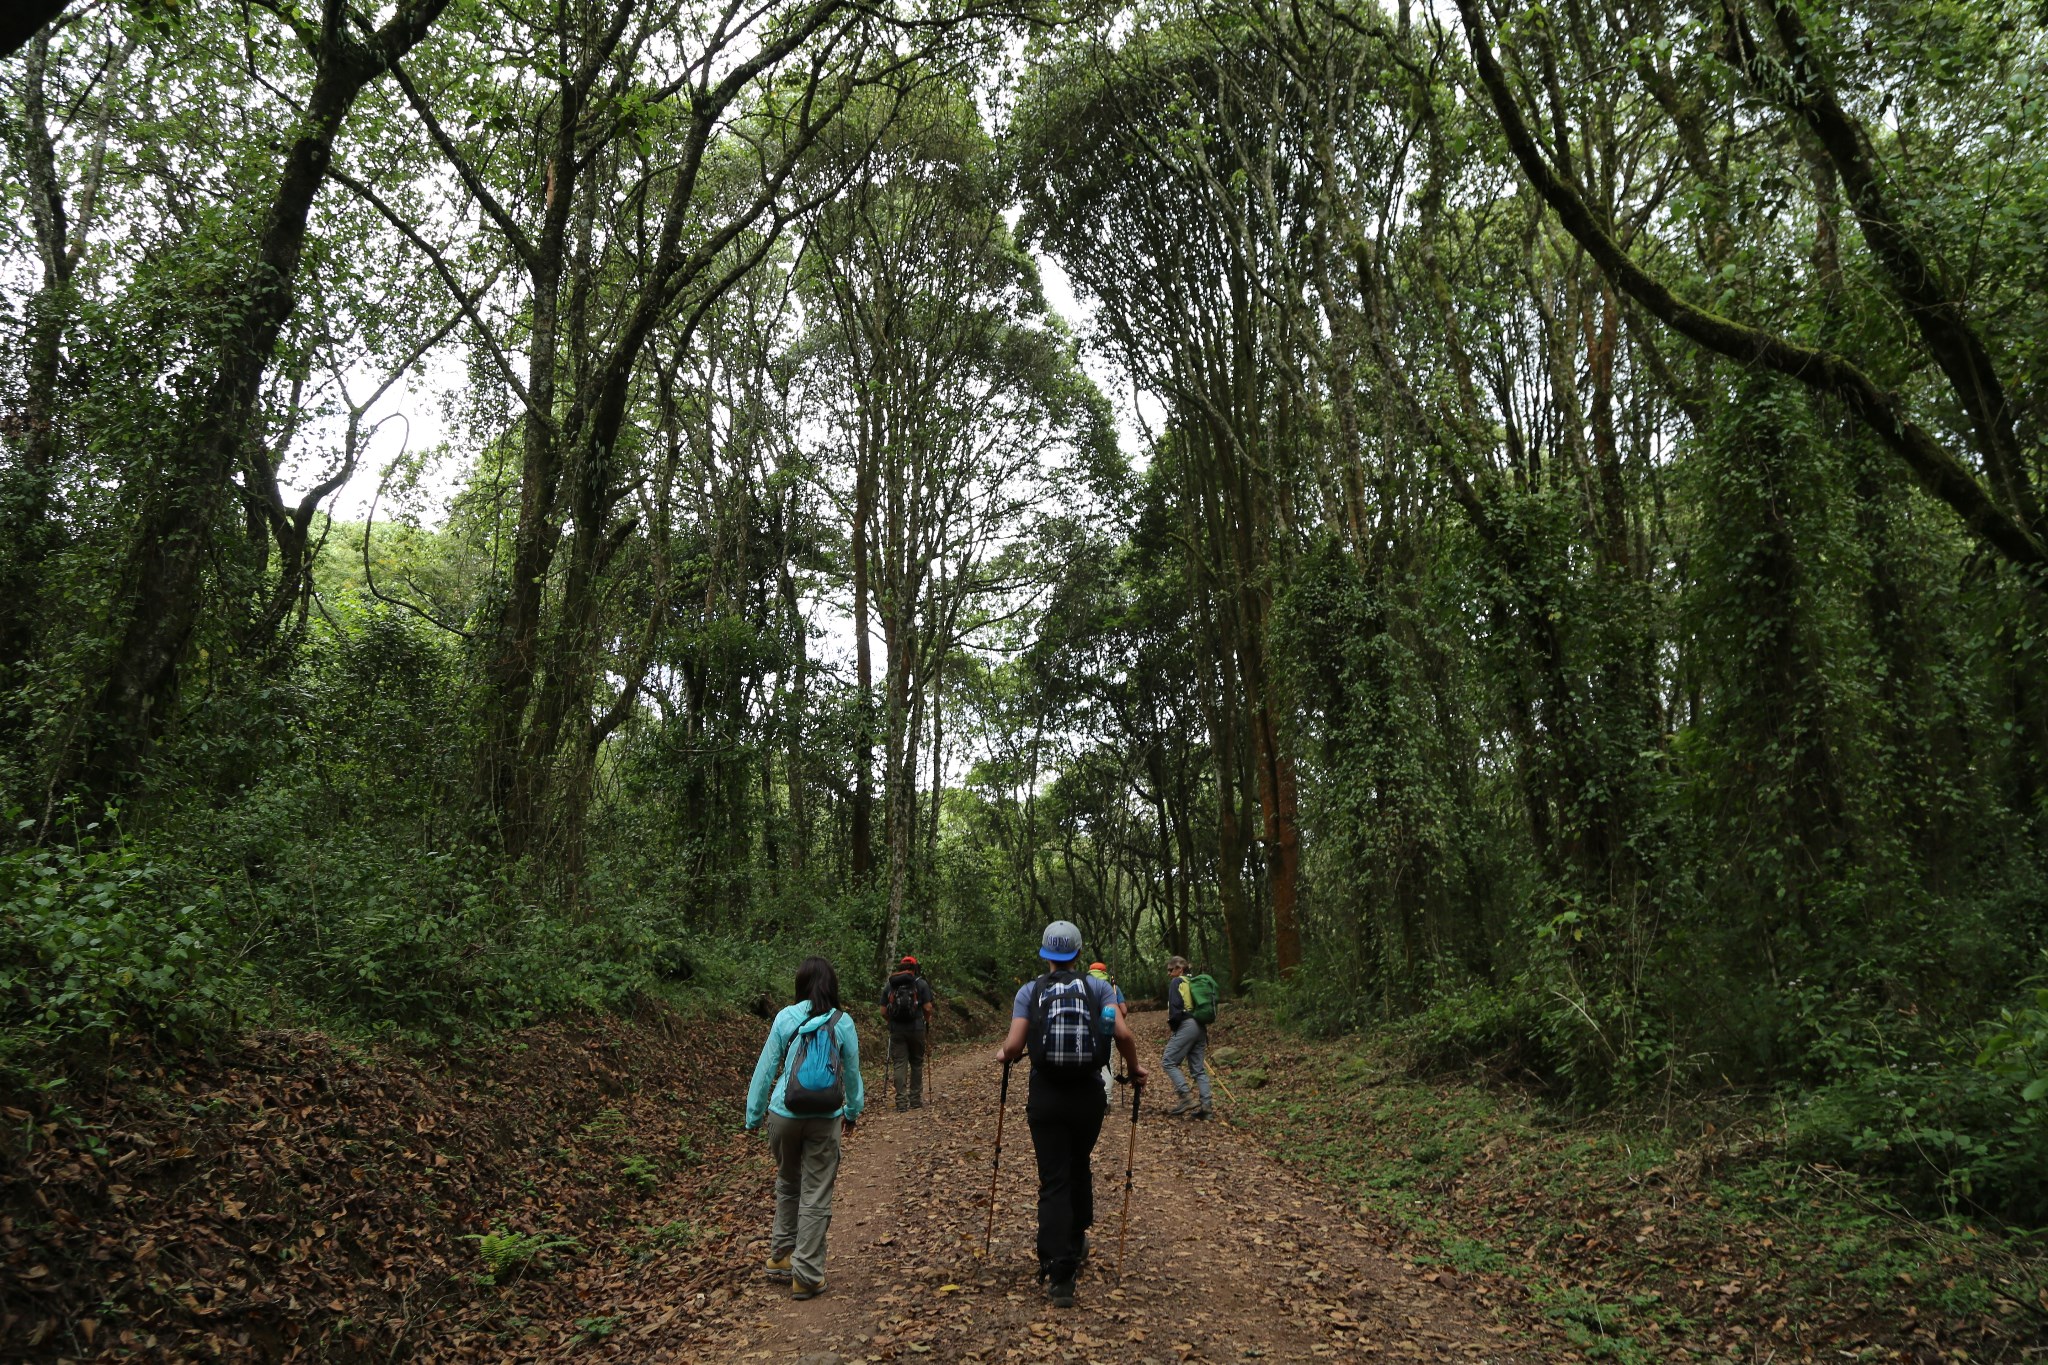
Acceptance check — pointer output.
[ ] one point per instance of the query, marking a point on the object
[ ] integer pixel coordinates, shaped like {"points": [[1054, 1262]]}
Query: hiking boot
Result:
{"points": [[1207, 1111], [903, 1108], [801, 1288], [917, 1104], [1062, 1293], [1080, 1252], [778, 1267], [1183, 1107]]}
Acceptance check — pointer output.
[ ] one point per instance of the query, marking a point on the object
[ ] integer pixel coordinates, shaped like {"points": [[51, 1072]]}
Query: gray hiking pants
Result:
{"points": [[1189, 1044], [806, 1153], [906, 1060]]}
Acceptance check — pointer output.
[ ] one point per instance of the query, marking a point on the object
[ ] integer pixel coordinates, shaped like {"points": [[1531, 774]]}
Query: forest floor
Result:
{"points": [[1688, 1233], [293, 1198]]}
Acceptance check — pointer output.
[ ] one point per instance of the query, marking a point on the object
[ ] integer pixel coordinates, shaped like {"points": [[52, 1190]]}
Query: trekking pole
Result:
{"points": [[1217, 1077], [1130, 1161], [1002, 1107]]}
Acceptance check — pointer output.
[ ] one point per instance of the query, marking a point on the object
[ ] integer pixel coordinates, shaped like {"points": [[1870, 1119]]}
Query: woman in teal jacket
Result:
{"points": [[805, 1145]]}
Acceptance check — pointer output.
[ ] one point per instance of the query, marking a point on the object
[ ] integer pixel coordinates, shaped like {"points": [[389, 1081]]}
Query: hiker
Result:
{"points": [[1110, 1016], [1189, 1040], [810, 1104], [1056, 1019], [907, 1010]]}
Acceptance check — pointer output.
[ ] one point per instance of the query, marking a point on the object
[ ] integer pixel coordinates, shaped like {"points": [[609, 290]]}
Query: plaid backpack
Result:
{"points": [[1063, 1034]]}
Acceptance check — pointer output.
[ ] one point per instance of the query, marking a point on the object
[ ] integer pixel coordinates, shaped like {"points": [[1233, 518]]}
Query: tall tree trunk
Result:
{"points": [[26, 487], [864, 670], [164, 579]]}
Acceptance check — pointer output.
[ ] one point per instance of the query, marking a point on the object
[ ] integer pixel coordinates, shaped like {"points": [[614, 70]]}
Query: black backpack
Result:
{"points": [[1064, 1036], [901, 1006]]}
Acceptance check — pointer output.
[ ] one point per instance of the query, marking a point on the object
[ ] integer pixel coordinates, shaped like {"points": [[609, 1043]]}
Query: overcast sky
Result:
{"points": [[410, 421]]}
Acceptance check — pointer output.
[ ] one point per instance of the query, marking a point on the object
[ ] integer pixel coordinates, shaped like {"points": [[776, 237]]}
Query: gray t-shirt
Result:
{"points": [[1104, 996], [1103, 993]]}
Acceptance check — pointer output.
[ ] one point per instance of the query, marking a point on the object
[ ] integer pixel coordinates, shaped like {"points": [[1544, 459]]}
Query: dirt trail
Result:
{"points": [[1230, 1256]]}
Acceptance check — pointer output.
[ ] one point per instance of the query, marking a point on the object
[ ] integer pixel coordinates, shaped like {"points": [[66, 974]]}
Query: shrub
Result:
{"points": [[1968, 1128], [106, 943], [1479, 1023]]}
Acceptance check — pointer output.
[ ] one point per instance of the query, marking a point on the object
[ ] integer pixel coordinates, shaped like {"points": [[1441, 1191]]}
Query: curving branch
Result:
{"points": [[1936, 468]]}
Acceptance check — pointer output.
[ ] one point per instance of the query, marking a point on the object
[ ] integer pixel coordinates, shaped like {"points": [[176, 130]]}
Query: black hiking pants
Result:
{"points": [[1066, 1119]]}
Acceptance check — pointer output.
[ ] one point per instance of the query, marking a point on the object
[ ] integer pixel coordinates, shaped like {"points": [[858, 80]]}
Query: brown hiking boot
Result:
{"points": [[801, 1288]]}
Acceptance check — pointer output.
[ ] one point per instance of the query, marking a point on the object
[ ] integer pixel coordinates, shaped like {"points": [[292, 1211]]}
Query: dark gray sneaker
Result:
{"points": [[1062, 1293], [1183, 1107]]}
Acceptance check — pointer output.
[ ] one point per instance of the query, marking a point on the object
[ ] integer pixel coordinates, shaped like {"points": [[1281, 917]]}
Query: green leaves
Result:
{"points": [[511, 1253], [107, 944]]}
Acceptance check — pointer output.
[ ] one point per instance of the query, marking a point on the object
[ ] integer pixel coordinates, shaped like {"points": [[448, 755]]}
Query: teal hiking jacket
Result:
{"points": [[764, 1097]]}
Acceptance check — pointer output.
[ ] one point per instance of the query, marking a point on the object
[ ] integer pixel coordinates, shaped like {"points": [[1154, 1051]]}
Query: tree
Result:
{"points": [[954, 396]]}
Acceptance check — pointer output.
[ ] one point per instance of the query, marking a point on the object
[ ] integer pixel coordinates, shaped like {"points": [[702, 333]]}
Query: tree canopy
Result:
{"points": [[1529, 531]]}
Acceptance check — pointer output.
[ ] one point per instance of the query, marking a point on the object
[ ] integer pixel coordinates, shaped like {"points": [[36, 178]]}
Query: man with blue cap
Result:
{"points": [[1056, 1019]]}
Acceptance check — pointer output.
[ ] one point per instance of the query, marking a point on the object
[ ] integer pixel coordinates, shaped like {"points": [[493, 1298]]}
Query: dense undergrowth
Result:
{"points": [[121, 947], [1949, 1121], [327, 876], [1703, 1229]]}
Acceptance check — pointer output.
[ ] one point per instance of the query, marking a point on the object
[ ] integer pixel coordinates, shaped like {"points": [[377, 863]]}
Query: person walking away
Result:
{"points": [[1056, 1019], [1188, 1043], [907, 1010], [807, 1087], [1107, 1025]]}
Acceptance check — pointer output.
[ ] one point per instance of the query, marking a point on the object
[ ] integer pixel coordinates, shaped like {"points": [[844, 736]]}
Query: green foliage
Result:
{"points": [[108, 944], [514, 1253], [1607, 1220], [1966, 1128], [641, 1171], [606, 1123], [1480, 1024], [680, 1235]]}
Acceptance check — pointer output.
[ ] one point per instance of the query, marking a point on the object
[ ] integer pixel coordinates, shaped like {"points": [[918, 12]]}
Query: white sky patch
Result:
{"points": [[410, 420]]}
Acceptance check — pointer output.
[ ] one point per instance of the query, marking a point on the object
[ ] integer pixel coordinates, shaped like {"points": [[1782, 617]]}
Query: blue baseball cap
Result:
{"points": [[1060, 943]]}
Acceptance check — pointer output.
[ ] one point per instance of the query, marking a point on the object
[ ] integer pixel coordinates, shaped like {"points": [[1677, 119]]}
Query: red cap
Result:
{"points": [[908, 962]]}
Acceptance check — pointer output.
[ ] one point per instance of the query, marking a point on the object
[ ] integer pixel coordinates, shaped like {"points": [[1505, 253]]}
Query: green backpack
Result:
{"points": [[1203, 990]]}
